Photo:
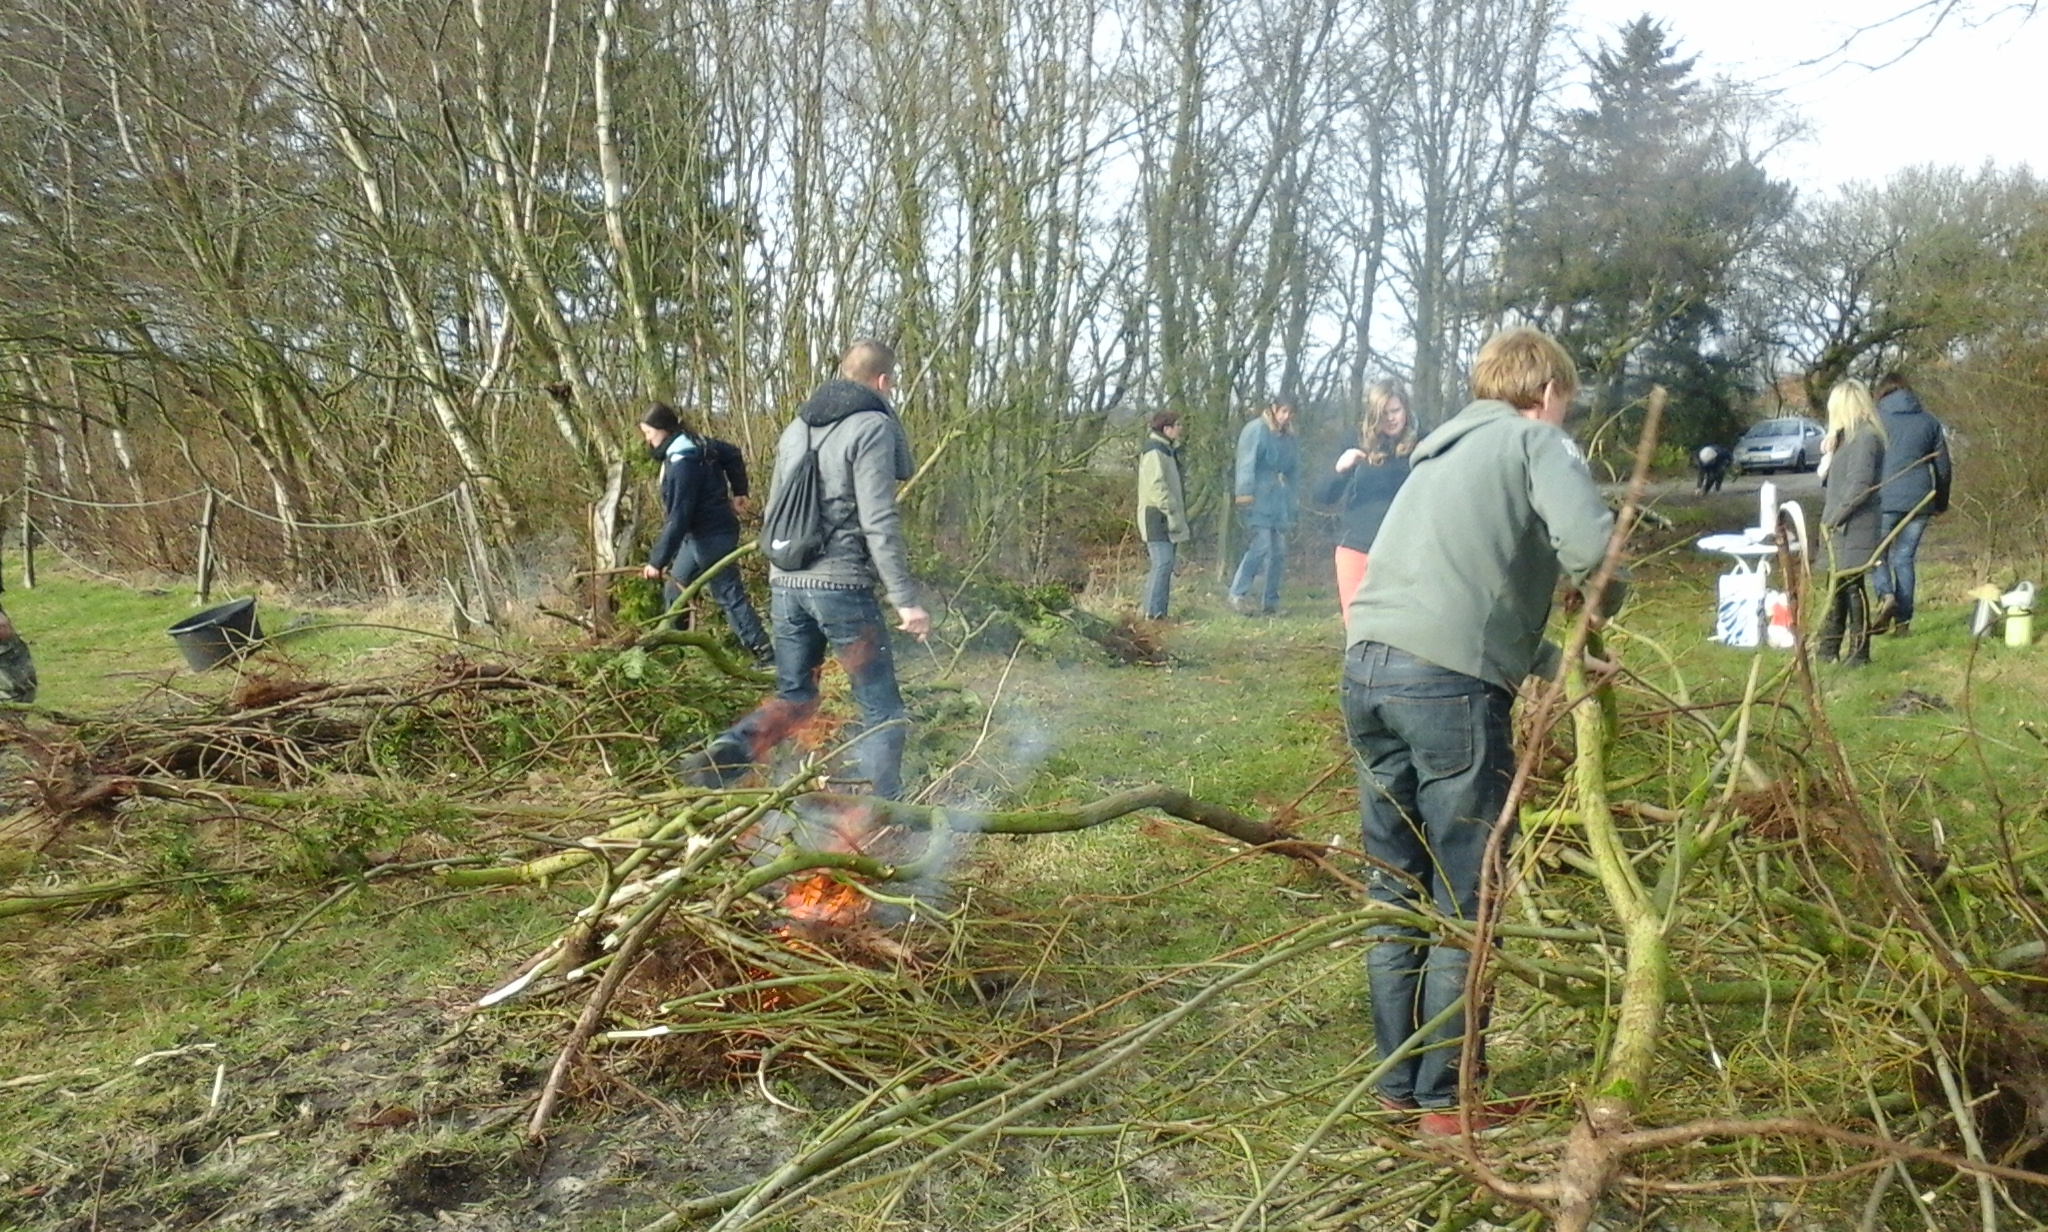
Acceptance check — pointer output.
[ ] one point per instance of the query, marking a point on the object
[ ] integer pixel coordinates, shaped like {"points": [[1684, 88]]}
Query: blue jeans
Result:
{"points": [[700, 552], [1435, 757], [1893, 573], [1159, 582], [807, 622], [1267, 549]]}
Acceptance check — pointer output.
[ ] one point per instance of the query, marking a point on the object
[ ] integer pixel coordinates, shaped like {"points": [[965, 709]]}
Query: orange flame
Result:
{"points": [[819, 901]]}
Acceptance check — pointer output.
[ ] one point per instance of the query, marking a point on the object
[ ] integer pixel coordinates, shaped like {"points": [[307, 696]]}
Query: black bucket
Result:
{"points": [[218, 634]]}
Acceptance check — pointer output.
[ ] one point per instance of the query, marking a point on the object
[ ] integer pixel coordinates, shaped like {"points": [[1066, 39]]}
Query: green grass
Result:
{"points": [[1971, 736], [361, 1011], [100, 646]]}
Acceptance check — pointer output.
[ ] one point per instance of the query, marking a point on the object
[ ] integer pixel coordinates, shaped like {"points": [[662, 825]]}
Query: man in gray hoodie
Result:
{"points": [[862, 455], [1445, 627]]}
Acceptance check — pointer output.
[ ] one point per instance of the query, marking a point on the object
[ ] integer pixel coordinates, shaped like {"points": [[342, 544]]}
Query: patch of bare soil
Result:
{"points": [[398, 1118]]}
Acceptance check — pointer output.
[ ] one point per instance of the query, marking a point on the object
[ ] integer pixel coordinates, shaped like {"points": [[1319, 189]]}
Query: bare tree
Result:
{"points": [[1470, 76]]}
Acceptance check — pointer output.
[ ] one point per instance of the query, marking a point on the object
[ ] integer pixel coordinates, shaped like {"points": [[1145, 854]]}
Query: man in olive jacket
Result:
{"points": [[1162, 510], [1445, 627]]}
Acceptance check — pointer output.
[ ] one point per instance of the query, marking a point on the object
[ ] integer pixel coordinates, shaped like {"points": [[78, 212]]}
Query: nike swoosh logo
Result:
{"points": [[777, 545]]}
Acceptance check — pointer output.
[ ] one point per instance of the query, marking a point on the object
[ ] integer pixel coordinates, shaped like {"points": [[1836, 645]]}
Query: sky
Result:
{"points": [[1966, 94]]}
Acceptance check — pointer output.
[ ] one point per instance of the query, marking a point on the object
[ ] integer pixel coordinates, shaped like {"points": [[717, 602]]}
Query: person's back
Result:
{"points": [[830, 604], [1916, 487], [1469, 554], [1711, 463], [1852, 520], [1916, 458], [862, 455], [1448, 621], [696, 469], [1851, 506], [699, 477]]}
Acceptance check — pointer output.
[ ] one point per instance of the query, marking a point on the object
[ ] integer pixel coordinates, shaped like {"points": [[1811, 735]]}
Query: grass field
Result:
{"points": [[101, 646], [254, 1051]]}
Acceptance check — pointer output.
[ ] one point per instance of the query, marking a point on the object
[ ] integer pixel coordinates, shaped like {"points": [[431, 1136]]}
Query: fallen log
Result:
{"points": [[1171, 801]]}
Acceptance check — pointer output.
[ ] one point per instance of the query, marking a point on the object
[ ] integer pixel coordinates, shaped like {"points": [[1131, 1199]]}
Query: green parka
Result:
{"points": [[1162, 507]]}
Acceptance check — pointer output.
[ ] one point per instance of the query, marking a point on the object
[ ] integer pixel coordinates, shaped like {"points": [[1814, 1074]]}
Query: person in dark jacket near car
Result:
{"points": [[1365, 480], [701, 478], [830, 604], [1917, 472], [1710, 467], [1162, 510], [1852, 517]]}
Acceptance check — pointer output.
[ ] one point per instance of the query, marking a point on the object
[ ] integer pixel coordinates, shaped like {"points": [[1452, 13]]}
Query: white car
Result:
{"points": [[1788, 444]]}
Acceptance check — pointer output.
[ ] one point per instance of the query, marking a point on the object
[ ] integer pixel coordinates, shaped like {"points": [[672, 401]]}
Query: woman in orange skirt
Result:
{"points": [[1365, 480]]}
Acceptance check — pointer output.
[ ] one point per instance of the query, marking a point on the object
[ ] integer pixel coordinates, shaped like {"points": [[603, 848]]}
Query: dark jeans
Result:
{"points": [[807, 622], [1893, 573], [1268, 549], [1159, 582], [1845, 632], [1435, 757], [700, 552]]}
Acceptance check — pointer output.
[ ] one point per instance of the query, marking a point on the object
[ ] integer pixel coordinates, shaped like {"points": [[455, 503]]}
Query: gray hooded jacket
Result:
{"points": [[1464, 565], [862, 455]]}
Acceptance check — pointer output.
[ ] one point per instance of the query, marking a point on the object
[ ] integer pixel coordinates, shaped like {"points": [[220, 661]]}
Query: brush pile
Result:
{"points": [[1842, 1007], [480, 722]]}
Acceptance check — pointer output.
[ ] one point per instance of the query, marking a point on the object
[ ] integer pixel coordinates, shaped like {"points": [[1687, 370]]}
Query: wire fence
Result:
{"points": [[449, 538]]}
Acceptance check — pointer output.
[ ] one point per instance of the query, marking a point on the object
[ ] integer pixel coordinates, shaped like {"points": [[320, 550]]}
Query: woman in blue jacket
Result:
{"points": [[1366, 478], [701, 477]]}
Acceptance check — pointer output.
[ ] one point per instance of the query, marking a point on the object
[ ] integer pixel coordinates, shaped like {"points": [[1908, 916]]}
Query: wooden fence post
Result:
{"points": [[28, 547], [205, 570]]}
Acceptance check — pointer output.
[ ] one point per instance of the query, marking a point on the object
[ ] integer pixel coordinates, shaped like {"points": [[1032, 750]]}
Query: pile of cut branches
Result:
{"points": [[480, 721], [1747, 984]]}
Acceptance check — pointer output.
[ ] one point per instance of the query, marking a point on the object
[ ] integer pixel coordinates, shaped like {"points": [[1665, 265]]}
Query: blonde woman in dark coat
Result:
{"points": [[1852, 517]]}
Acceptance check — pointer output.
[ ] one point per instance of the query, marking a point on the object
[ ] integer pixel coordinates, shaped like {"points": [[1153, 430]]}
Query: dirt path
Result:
{"points": [[1736, 502]]}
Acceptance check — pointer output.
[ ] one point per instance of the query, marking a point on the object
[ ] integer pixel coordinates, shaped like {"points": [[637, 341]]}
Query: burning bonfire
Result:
{"points": [[821, 903], [817, 903]]}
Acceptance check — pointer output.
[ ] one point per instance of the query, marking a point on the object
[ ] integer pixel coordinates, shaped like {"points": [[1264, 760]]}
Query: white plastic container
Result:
{"points": [[2018, 604]]}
